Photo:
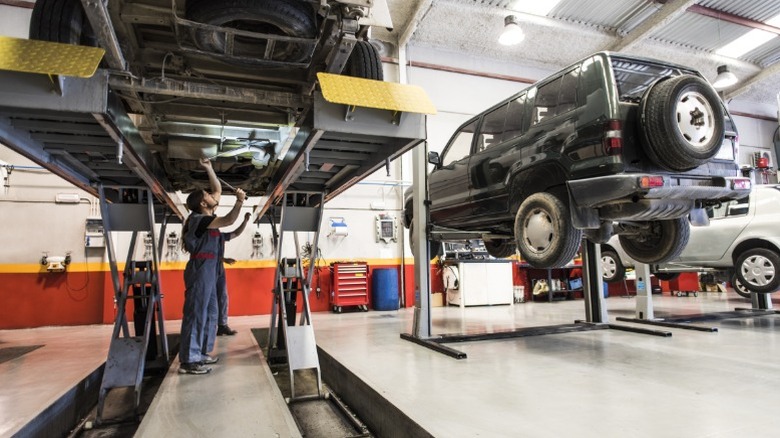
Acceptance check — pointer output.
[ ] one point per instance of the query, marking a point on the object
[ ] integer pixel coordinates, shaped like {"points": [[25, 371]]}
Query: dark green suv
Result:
{"points": [[613, 144]]}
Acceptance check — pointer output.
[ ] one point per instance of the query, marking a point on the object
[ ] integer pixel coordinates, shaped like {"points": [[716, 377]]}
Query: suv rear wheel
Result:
{"points": [[757, 270], [682, 120], [544, 233], [661, 242]]}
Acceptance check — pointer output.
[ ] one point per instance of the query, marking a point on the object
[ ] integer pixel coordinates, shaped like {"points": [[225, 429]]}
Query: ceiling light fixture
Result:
{"points": [[512, 33], [725, 78]]}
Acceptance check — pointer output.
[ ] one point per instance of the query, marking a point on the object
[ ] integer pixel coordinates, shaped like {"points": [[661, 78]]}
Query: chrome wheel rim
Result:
{"points": [[758, 270], [538, 230], [695, 120]]}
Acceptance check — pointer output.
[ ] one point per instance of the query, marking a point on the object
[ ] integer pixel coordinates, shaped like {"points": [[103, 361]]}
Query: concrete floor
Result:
{"points": [[598, 383]]}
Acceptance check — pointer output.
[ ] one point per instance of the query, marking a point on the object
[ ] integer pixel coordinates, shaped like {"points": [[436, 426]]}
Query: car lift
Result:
{"points": [[595, 308], [132, 210], [301, 212], [761, 306], [59, 110]]}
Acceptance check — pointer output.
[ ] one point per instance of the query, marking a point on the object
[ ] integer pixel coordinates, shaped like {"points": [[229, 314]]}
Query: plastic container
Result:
{"points": [[384, 289]]}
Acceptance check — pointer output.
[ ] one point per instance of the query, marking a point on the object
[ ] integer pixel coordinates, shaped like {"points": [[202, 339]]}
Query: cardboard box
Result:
{"points": [[437, 300]]}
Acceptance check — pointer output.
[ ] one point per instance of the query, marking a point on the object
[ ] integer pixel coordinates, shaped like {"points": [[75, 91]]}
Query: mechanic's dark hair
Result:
{"points": [[193, 205]]}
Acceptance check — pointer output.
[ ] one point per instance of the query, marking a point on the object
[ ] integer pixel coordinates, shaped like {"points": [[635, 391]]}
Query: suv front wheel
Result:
{"points": [[660, 242], [500, 248], [544, 233]]}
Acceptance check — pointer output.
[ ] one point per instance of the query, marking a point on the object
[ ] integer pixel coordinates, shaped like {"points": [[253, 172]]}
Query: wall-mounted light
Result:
{"points": [[512, 34], [725, 78]]}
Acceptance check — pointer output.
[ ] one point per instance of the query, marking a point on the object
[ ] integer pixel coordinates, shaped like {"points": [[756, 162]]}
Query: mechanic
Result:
{"points": [[223, 329], [202, 239]]}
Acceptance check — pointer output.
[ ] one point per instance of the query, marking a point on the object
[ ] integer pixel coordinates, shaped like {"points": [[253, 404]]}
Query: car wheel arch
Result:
{"points": [[523, 182], [750, 244]]}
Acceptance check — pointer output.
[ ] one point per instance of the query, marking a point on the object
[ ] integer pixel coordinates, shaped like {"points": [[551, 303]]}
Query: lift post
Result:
{"points": [[129, 355], [300, 212]]}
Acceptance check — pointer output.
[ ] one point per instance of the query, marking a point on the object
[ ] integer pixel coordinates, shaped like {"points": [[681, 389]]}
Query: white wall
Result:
{"points": [[35, 224]]}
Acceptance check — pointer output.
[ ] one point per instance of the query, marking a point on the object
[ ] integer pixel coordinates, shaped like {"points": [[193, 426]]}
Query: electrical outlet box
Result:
{"points": [[93, 234]]}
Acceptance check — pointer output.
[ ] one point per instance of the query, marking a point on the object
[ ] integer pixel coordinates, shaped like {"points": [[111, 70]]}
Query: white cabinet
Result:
{"points": [[479, 282]]}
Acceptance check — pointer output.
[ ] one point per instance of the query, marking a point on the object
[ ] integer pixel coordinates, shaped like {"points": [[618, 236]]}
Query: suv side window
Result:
{"points": [[546, 101], [492, 129], [460, 145], [513, 127], [567, 100]]}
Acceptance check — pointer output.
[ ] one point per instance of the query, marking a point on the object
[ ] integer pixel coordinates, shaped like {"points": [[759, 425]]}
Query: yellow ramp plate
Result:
{"points": [[32, 56], [368, 93]]}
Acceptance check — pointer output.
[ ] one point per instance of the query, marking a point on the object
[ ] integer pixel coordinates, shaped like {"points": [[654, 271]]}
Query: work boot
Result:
{"points": [[225, 330], [193, 368]]}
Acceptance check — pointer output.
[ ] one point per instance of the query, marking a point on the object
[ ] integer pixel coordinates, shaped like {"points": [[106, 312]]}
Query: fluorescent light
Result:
{"points": [[535, 7], [512, 33], [745, 43]]}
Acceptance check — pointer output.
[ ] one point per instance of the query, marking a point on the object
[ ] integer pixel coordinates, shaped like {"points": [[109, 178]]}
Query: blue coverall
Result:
{"points": [[199, 322], [222, 296]]}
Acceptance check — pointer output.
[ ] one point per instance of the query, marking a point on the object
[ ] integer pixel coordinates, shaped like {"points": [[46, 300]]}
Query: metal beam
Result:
{"points": [[745, 86], [97, 13], [170, 87], [731, 18], [670, 11]]}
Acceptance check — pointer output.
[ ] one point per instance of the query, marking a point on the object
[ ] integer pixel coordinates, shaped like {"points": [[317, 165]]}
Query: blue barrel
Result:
{"points": [[384, 289]]}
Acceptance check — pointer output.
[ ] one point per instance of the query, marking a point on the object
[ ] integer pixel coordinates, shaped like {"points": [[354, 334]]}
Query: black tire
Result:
{"points": [[682, 122], [61, 21], [544, 233], [612, 269], [666, 276], [364, 62], [291, 18], [436, 246], [500, 248], [757, 269], [739, 288], [663, 242]]}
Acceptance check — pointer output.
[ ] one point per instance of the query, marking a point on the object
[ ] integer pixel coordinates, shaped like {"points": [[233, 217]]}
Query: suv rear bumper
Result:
{"points": [[622, 197]]}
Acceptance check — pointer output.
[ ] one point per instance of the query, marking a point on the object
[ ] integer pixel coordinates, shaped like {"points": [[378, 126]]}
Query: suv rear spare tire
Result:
{"points": [[291, 18], [663, 241], [544, 233], [682, 122]]}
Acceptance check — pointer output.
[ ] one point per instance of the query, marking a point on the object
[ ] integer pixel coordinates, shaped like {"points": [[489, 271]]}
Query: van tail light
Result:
{"points": [[648, 182], [613, 138]]}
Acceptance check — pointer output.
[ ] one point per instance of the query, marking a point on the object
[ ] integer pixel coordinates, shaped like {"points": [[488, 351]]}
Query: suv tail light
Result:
{"points": [[613, 138], [648, 182]]}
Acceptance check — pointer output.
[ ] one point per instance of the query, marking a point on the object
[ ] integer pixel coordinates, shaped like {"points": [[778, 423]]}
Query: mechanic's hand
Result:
{"points": [[205, 163], [240, 195], [228, 260]]}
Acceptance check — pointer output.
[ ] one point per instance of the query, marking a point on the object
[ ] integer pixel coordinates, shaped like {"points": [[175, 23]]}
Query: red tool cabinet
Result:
{"points": [[349, 283]]}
